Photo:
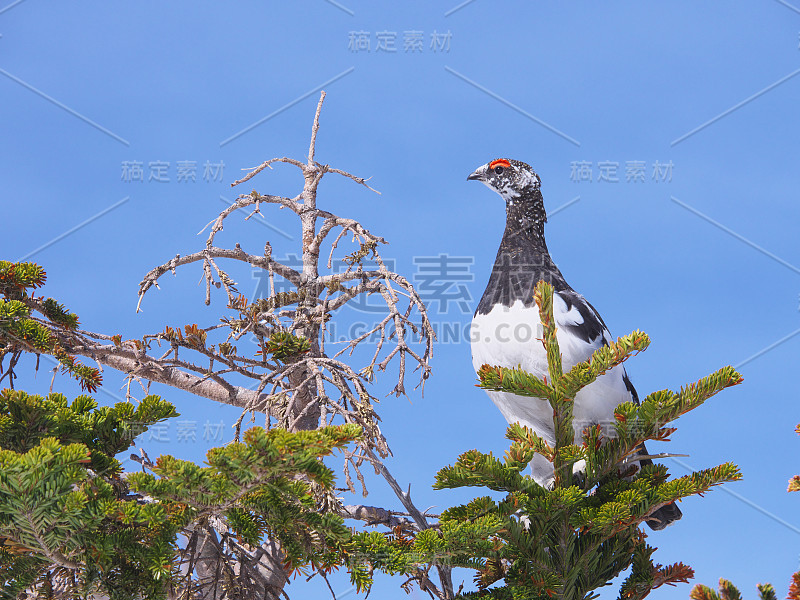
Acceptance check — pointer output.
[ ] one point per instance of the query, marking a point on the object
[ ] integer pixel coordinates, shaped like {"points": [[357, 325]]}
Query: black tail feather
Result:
{"points": [[666, 515]]}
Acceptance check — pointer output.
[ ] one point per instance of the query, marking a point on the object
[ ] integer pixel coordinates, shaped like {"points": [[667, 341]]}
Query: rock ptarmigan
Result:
{"points": [[506, 328]]}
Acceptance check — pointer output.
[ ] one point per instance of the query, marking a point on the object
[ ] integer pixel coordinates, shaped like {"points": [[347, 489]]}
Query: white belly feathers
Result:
{"points": [[511, 337]]}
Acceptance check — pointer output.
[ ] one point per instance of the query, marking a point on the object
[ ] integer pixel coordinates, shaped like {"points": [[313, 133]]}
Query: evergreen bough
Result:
{"points": [[30, 324], [66, 521], [72, 523], [272, 485]]}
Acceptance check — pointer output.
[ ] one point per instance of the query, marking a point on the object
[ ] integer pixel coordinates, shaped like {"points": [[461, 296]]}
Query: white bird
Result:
{"points": [[506, 328]]}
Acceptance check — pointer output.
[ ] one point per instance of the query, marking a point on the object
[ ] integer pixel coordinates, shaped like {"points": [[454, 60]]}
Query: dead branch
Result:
{"points": [[374, 515]]}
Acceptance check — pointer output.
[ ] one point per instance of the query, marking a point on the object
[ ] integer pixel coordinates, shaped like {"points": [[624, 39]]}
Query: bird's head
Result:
{"points": [[509, 178]]}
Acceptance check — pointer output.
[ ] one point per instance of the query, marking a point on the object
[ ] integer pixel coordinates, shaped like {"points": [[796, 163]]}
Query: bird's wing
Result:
{"points": [[581, 332], [580, 318]]}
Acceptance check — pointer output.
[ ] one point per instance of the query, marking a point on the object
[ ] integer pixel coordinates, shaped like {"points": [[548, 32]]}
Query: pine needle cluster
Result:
{"points": [[273, 485], [66, 523], [728, 591], [72, 524], [35, 325]]}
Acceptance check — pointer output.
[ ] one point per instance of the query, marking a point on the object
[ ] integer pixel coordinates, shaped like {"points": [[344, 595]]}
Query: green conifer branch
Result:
{"points": [[766, 592], [563, 387], [474, 468], [515, 381], [17, 277], [284, 346], [57, 313], [646, 576], [561, 403], [455, 544], [566, 541], [525, 444], [264, 486], [63, 505], [727, 591], [636, 424], [543, 295], [22, 331]]}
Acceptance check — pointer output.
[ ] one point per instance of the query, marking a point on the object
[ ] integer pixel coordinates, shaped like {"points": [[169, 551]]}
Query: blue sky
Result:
{"points": [[700, 252]]}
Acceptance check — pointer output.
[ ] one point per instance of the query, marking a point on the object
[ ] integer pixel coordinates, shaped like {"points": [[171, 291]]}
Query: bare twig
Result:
{"points": [[264, 165], [314, 129]]}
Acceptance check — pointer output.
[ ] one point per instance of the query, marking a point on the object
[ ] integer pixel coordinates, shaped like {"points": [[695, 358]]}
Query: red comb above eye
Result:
{"points": [[500, 162]]}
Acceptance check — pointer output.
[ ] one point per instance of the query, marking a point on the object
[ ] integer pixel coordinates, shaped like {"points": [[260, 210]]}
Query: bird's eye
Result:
{"points": [[499, 170]]}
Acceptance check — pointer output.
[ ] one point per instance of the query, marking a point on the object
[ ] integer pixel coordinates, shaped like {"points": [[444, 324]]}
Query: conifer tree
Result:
{"points": [[67, 523], [73, 524], [30, 324]]}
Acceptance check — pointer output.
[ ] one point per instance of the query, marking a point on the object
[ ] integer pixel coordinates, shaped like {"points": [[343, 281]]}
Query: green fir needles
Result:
{"points": [[69, 520], [570, 540], [66, 521], [35, 325], [274, 484]]}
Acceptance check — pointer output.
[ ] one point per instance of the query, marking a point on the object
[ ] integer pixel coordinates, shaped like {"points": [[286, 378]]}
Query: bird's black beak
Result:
{"points": [[477, 175]]}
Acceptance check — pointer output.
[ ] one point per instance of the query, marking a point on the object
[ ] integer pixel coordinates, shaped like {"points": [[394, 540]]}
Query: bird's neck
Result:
{"points": [[522, 259], [525, 219]]}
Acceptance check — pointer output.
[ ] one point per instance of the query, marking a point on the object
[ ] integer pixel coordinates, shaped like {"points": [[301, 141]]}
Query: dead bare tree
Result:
{"points": [[294, 379]]}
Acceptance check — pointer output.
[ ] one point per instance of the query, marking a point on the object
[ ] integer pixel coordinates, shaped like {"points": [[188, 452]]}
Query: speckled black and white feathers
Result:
{"points": [[523, 259], [506, 329]]}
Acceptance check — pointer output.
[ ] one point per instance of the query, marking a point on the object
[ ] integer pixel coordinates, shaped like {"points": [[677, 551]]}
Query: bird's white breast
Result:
{"points": [[511, 337]]}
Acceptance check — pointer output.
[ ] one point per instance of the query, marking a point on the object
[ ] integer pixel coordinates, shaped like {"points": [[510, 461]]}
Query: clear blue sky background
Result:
{"points": [[553, 84]]}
